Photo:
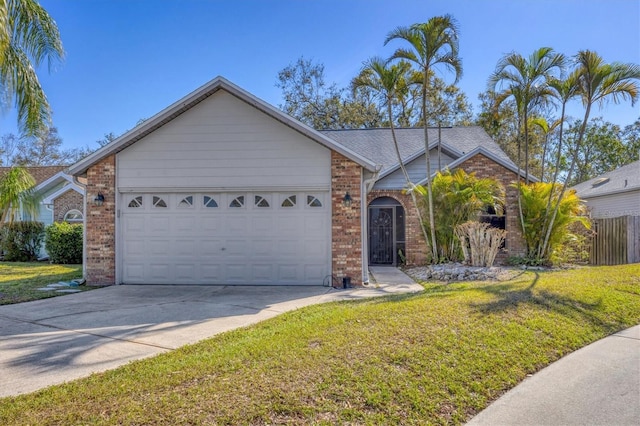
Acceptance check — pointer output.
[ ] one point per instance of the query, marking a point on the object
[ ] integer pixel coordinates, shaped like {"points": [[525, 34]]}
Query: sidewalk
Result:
{"points": [[596, 385]]}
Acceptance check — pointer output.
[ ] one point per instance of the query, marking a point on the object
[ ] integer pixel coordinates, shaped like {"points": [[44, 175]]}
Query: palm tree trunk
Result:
{"points": [[405, 173], [583, 128], [432, 222]]}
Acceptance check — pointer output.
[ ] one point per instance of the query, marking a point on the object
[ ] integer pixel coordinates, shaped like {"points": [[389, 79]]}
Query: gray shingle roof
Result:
{"points": [[625, 178], [377, 144]]}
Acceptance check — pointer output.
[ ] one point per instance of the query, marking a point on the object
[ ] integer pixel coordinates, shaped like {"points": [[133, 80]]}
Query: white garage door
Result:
{"points": [[225, 238]]}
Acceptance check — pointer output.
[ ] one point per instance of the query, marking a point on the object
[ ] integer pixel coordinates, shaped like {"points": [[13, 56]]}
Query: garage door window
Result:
{"points": [[135, 202], [312, 201], [237, 202], [290, 201], [159, 202], [260, 201], [209, 202], [186, 202]]}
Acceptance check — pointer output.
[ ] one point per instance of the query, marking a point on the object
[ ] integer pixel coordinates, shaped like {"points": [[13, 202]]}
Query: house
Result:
{"points": [[60, 198], [613, 194], [223, 188]]}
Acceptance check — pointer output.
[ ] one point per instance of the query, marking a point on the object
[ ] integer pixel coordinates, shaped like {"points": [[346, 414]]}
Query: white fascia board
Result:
{"points": [[59, 192], [53, 180], [193, 99]]}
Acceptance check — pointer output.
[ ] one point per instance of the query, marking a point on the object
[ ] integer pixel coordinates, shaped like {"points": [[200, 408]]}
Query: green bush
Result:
{"points": [[21, 241], [64, 242]]}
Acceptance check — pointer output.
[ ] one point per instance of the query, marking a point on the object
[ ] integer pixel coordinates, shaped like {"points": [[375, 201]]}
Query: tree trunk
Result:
{"points": [[432, 222]]}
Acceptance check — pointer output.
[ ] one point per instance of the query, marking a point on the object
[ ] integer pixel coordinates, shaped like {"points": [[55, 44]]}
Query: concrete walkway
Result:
{"points": [[55, 340], [596, 385]]}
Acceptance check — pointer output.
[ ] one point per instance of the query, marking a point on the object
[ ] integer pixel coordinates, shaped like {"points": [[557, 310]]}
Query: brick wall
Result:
{"points": [[415, 245], [346, 226], [100, 224], [484, 167], [70, 200]]}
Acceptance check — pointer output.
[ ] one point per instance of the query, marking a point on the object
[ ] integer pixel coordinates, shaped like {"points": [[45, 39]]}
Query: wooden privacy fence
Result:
{"points": [[616, 241]]}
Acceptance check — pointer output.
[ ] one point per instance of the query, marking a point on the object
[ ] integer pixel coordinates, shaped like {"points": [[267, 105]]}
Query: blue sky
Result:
{"points": [[129, 59]]}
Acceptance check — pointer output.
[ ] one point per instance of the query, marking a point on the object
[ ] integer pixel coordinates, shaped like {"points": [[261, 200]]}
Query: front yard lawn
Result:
{"points": [[19, 281], [438, 357]]}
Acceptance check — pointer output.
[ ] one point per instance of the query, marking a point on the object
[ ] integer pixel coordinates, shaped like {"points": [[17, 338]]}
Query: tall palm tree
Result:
{"points": [[387, 80], [15, 192], [526, 82], [28, 37], [431, 44], [597, 83], [564, 90]]}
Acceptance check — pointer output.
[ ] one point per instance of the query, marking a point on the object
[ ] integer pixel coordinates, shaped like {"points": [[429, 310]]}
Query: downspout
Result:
{"points": [[365, 188], [84, 225]]}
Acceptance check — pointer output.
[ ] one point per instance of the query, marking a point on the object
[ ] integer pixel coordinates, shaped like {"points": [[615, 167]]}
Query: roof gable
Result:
{"points": [[183, 105]]}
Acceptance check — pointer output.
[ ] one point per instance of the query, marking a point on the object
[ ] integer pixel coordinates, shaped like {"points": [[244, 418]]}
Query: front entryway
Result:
{"points": [[386, 232]]}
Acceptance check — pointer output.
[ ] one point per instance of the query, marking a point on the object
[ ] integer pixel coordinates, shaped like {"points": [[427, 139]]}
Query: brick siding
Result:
{"points": [[70, 200], [100, 224], [346, 225]]}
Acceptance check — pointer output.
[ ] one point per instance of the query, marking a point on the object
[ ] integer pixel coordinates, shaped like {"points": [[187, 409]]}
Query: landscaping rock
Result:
{"points": [[449, 272]]}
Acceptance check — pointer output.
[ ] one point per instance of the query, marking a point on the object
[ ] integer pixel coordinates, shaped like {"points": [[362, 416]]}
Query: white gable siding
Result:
{"points": [[623, 204], [417, 170], [224, 143]]}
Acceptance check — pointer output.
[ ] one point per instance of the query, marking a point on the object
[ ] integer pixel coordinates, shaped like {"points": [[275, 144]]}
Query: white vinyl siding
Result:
{"points": [[417, 170], [224, 143], [623, 204]]}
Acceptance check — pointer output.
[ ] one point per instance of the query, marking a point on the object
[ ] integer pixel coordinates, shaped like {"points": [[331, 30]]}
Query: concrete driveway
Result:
{"points": [[60, 339]]}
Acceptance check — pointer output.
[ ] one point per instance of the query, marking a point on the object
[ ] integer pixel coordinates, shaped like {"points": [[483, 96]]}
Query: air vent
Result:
{"points": [[600, 181]]}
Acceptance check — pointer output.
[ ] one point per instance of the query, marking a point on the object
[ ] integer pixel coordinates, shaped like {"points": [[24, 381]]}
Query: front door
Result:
{"points": [[386, 232]]}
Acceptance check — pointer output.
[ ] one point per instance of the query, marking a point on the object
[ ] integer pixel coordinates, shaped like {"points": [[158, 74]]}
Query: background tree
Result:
{"points": [[431, 44], [45, 150], [308, 98], [28, 37], [500, 121], [602, 149], [8, 149], [447, 105]]}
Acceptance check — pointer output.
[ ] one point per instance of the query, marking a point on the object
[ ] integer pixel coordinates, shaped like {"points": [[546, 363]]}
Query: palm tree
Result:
{"points": [[596, 83], [387, 81], [431, 43], [15, 192], [564, 91], [526, 82], [28, 37]]}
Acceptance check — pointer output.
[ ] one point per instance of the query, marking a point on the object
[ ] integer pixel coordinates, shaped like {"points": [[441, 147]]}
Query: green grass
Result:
{"points": [[19, 281], [433, 358]]}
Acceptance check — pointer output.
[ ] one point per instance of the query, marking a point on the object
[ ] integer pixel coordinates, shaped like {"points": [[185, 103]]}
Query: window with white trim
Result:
{"points": [[237, 202], [209, 202], [290, 201], [158, 202], [73, 216], [136, 202]]}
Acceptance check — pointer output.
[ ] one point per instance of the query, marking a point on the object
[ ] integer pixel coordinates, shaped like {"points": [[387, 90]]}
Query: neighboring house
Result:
{"points": [[61, 200], [613, 194], [223, 188]]}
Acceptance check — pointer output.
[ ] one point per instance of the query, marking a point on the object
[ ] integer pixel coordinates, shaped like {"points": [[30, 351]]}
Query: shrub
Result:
{"points": [[480, 242], [21, 241], [64, 242], [459, 197]]}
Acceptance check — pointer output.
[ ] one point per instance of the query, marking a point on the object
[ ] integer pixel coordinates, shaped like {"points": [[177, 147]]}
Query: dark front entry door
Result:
{"points": [[386, 232], [381, 235]]}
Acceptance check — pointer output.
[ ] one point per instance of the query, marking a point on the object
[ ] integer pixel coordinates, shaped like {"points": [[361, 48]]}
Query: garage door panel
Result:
{"points": [[263, 241]]}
